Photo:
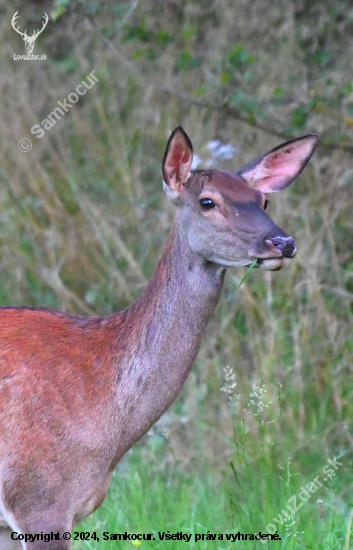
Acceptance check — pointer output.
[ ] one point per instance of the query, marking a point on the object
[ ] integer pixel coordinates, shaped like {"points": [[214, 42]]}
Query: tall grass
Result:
{"points": [[83, 220], [244, 496]]}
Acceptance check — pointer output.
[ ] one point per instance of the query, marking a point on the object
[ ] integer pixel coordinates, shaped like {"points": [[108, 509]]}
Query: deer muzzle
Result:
{"points": [[273, 253]]}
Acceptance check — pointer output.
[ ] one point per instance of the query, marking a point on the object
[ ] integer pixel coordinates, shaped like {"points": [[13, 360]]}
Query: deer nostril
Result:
{"points": [[284, 244]]}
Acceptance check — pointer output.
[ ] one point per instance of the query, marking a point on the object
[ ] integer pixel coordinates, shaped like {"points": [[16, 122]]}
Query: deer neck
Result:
{"points": [[167, 323]]}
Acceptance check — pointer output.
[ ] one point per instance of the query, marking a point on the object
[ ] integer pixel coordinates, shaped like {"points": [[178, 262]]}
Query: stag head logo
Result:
{"points": [[29, 40]]}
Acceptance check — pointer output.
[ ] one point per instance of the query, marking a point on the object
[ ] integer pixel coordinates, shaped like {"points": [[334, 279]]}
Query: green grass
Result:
{"points": [[243, 496], [83, 219], [258, 482]]}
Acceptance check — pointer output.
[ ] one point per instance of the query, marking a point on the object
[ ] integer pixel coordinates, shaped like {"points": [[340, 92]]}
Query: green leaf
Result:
{"points": [[59, 8], [242, 102], [277, 91], [137, 32], [247, 273], [200, 91], [164, 38], [186, 62], [238, 56], [347, 88], [225, 77], [299, 118], [189, 32]]}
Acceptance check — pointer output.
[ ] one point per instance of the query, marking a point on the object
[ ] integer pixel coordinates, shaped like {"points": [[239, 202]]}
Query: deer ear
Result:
{"points": [[279, 168], [176, 163]]}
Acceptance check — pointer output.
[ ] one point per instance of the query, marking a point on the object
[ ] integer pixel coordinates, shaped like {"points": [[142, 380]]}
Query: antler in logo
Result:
{"points": [[29, 40]]}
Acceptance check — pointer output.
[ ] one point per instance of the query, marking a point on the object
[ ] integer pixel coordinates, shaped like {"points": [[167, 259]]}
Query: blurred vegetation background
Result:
{"points": [[83, 219]]}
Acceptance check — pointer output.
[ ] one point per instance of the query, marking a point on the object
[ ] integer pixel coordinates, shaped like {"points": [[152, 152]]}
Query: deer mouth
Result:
{"points": [[273, 264], [276, 253]]}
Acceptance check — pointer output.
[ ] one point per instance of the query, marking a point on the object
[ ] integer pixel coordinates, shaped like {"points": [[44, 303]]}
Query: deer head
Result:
{"points": [[223, 212]]}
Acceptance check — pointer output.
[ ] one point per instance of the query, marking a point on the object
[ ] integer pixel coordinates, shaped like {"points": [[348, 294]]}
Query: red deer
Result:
{"points": [[76, 393]]}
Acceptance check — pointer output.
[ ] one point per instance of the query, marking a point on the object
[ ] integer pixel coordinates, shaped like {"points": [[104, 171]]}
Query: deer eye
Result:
{"points": [[207, 204], [266, 204]]}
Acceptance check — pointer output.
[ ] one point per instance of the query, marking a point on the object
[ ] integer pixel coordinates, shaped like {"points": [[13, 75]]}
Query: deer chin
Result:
{"points": [[272, 264]]}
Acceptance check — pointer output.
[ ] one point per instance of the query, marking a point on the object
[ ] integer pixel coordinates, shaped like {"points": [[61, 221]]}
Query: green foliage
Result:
{"points": [[186, 62], [59, 8], [157, 493], [238, 57], [83, 219]]}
